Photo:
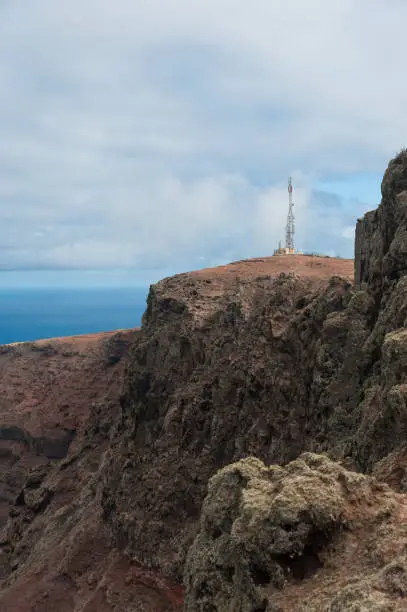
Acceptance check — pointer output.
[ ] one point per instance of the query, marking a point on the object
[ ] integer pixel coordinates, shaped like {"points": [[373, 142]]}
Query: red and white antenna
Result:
{"points": [[289, 230]]}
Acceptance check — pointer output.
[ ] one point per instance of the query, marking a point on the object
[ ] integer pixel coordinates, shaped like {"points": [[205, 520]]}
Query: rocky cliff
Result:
{"points": [[381, 239], [264, 358], [230, 362]]}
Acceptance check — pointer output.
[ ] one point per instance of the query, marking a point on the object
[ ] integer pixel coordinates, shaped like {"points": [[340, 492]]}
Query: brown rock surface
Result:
{"points": [[47, 389]]}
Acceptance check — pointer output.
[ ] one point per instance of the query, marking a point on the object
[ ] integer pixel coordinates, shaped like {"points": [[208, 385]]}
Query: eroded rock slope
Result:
{"points": [[47, 390]]}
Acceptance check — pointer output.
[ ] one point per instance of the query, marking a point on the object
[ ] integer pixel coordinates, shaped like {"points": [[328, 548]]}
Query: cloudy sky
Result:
{"points": [[140, 138]]}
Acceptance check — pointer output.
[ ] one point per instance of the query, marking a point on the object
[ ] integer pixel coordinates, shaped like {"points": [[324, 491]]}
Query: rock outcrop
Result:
{"points": [[309, 537]]}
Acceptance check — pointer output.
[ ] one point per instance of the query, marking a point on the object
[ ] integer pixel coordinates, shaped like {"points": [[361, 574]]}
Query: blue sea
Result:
{"points": [[32, 314]]}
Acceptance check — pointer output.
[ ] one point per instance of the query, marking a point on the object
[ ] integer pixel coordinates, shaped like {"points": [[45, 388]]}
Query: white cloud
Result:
{"points": [[151, 133], [349, 232]]}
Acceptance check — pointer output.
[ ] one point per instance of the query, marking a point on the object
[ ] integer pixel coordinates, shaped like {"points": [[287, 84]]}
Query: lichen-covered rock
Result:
{"points": [[273, 538]]}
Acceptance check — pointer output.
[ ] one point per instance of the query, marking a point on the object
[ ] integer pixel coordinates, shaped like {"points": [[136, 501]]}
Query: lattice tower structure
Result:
{"points": [[290, 227]]}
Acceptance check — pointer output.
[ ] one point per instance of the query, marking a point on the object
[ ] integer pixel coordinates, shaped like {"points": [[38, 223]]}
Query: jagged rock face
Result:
{"points": [[271, 539], [381, 236]]}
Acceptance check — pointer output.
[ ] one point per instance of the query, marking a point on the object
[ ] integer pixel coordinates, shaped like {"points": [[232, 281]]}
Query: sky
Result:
{"points": [[140, 139]]}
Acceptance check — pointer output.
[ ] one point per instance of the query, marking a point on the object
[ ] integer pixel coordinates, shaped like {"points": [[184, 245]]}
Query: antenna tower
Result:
{"points": [[289, 230]]}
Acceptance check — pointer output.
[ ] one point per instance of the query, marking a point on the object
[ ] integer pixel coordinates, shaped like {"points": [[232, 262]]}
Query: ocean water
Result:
{"points": [[32, 314]]}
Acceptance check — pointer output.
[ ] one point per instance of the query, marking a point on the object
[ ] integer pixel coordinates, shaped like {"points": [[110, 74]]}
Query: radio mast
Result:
{"points": [[289, 230]]}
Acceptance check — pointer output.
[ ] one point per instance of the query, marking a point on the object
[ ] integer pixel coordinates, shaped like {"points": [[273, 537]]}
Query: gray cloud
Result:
{"points": [[151, 134]]}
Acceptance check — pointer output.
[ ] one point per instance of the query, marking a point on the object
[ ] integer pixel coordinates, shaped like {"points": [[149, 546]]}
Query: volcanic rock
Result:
{"points": [[311, 536]]}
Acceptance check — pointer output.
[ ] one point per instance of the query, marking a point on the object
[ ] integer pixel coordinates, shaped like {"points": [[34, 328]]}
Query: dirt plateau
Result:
{"points": [[244, 451]]}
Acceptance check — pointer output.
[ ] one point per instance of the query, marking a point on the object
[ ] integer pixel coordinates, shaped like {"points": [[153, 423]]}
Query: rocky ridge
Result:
{"points": [[266, 358]]}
